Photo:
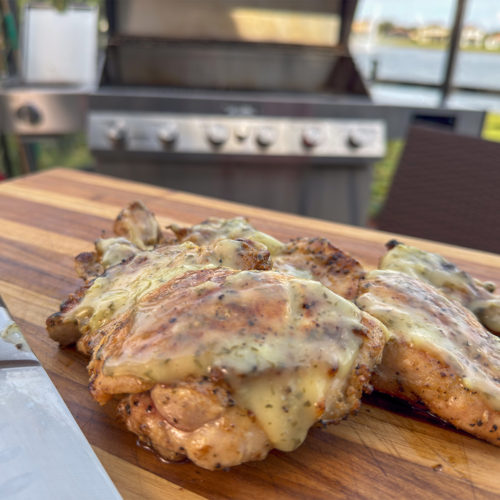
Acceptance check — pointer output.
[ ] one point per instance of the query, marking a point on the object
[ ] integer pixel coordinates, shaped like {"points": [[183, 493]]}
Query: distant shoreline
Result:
{"points": [[407, 43]]}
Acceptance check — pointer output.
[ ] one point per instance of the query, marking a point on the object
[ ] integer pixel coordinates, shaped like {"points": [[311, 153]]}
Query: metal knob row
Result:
{"points": [[218, 134]]}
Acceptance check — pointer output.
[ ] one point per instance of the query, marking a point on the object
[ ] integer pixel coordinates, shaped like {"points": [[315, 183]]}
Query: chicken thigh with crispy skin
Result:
{"points": [[224, 365], [220, 358], [437, 354], [221, 365]]}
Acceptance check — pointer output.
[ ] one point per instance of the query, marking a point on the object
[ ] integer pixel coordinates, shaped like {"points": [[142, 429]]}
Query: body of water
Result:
{"points": [[473, 69]]}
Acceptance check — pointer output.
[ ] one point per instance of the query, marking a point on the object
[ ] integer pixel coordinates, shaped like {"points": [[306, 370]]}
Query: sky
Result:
{"points": [[482, 13]]}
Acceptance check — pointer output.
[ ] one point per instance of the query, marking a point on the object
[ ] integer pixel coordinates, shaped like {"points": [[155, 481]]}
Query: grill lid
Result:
{"points": [[283, 45]]}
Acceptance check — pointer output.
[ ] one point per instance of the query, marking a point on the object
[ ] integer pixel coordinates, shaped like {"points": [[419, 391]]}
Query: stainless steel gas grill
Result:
{"points": [[252, 101]]}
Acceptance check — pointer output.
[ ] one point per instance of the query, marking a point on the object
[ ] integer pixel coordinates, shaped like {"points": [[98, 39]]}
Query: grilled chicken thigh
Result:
{"points": [[223, 365], [437, 354], [450, 280], [220, 357]]}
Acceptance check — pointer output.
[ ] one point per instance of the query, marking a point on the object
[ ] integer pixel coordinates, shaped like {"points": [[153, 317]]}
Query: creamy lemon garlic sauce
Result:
{"points": [[119, 288], [278, 342], [115, 250], [420, 264], [428, 320], [13, 335], [429, 267], [286, 268], [286, 404], [455, 283], [112, 293]]}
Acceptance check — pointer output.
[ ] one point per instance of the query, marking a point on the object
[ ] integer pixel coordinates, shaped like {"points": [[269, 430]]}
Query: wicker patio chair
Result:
{"points": [[446, 188]]}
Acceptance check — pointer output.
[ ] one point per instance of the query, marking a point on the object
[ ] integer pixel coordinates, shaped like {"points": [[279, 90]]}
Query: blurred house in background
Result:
{"points": [[471, 36], [433, 33]]}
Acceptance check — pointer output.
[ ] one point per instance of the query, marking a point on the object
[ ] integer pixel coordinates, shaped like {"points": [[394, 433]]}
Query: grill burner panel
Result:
{"points": [[231, 135], [308, 154]]}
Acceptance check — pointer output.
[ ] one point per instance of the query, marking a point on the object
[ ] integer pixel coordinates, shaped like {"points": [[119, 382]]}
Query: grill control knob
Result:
{"points": [[312, 136], [117, 134], [355, 141], [168, 133], [242, 132], [217, 134], [266, 136], [29, 114]]}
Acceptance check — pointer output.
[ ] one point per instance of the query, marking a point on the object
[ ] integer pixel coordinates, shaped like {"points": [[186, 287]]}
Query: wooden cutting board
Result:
{"points": [[386, 451]]}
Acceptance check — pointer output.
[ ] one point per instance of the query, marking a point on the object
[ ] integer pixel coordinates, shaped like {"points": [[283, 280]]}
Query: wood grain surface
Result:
{"points": [[386, 451]]}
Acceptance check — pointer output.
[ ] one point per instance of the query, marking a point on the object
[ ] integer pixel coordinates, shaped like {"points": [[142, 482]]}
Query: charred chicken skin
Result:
{"points": [[318, 259]]}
